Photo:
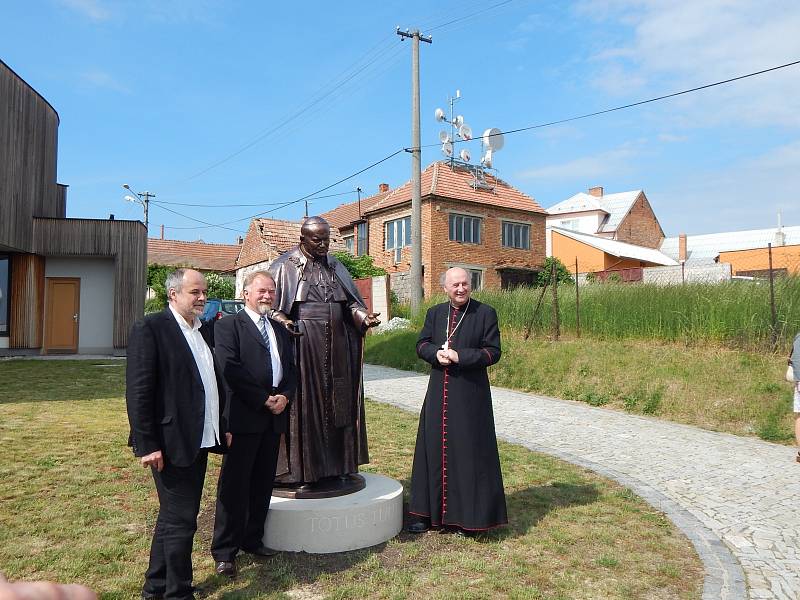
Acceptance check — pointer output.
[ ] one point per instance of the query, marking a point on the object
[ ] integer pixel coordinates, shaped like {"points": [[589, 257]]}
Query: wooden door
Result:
{"points": [[61, 315], [365, 289]]}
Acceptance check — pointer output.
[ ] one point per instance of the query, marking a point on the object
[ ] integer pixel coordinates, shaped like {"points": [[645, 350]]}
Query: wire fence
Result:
{"points": [[751, 302]]}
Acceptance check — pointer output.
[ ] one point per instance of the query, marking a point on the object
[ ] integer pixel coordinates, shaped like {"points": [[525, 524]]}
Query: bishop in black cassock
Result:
{"points": [[456, 480]]}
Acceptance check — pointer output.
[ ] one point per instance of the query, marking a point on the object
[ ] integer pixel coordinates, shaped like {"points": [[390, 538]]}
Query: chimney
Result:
{"points": [[383, 187], [162, 231], [596, 191], [240, 240], [111, 217], [682, 247], [780, 237]]}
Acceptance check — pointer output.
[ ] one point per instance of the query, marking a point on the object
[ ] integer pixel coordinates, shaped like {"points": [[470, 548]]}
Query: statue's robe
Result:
{"points": [[327, 434]]}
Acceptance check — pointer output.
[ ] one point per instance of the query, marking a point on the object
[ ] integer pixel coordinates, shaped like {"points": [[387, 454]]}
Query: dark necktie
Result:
{"points": [[262, 327]]}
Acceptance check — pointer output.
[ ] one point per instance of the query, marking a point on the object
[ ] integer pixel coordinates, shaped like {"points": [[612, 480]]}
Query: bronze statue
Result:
{"points": [[317, 300]]}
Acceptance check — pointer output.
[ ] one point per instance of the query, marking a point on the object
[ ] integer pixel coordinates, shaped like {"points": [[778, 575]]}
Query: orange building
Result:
{"points": [[755, 262]]}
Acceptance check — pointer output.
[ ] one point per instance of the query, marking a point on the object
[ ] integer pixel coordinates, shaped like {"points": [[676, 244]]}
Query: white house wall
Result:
{"points": [[96, 318], [586, 223]]}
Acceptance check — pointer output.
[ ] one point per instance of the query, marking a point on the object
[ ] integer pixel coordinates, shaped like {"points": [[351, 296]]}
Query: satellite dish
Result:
{"points": [[465, 131], [444, 137], [493, 139], [447, 149], [464, 154], [486, 160], [458, 121], [439, 115]]}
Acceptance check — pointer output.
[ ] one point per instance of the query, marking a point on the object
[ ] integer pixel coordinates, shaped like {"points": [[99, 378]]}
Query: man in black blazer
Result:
{"points": [[175, 408], [254, 355]]}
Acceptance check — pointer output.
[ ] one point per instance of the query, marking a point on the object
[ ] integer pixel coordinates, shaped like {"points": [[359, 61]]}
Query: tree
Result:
{"points": [[359, 267], [562, 273], [219, 287]]}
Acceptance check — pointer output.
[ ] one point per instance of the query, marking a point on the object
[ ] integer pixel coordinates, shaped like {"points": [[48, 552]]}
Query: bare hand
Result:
{"points": [[154, 459], [276, 404], [43, 590], [443, 357], [371, 320], [229, 439], [452, 355]]}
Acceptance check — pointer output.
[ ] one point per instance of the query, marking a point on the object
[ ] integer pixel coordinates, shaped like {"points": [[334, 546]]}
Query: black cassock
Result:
{"points": [[456, 477]]}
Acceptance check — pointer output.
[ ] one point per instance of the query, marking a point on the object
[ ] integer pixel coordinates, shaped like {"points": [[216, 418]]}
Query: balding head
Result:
{"points": [[457, 285]]}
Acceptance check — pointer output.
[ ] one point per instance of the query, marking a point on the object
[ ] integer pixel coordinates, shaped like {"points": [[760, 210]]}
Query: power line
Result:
{"points": [[469, 16], [250, 204], [310, 196], [634, 104]]}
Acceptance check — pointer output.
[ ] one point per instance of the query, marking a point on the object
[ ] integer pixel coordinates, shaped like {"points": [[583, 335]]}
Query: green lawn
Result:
{"points": [[75, 506]]}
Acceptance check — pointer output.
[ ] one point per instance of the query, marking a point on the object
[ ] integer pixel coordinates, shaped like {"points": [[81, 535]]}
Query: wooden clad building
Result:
{"points": [[66, 285]]}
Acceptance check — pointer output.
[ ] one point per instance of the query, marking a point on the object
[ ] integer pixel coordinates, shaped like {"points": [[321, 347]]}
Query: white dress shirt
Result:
{"points": [[274, 355], [205, 364]]}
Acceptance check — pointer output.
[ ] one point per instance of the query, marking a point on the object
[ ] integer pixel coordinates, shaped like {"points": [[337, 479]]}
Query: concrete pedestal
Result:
{"points": [[322, 526]]}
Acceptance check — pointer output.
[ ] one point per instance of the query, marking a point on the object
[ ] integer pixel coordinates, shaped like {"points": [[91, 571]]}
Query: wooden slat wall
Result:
{"points": [[125, 241], [28, 154], [27, 301]]}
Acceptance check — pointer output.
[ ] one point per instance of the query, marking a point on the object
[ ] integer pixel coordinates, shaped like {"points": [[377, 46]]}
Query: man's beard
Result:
{"points": [[263, 309]]}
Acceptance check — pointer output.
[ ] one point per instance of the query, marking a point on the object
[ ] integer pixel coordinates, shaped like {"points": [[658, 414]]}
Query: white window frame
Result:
{"points": [[349, 243], [401, 228]]}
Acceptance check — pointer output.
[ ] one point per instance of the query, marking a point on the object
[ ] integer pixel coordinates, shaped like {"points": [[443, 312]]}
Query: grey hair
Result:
{"points": [[175, 280], [251, 277]]}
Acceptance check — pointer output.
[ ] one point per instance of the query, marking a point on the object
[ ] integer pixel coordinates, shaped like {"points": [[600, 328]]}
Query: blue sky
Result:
{"points": [[198, 102]]}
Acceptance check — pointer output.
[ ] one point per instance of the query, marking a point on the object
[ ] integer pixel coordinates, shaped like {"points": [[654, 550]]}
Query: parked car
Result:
{"points": [[216, 309]]}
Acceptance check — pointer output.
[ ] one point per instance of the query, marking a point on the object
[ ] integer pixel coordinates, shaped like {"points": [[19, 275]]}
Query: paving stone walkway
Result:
{"points": [[736, 498]]}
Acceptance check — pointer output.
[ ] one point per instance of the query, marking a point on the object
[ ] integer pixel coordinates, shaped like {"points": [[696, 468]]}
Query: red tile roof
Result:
{"points": [[345, 215], [267, 239], [197, 255], [457, 183]]}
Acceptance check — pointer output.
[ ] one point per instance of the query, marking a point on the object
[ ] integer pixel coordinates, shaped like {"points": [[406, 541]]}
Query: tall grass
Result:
{"points": [[736, 315]]}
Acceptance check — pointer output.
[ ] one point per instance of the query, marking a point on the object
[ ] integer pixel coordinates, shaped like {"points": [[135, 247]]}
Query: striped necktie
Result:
{"points": [[262, 327]]}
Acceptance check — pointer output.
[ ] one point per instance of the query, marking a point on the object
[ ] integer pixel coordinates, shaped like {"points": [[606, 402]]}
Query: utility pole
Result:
{"points": [[416, 170]]}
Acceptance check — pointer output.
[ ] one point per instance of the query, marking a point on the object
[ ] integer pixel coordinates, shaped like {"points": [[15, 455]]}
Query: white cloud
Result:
{"points": [[93, 9], [684, 43], [102, 79], [614, 161]]}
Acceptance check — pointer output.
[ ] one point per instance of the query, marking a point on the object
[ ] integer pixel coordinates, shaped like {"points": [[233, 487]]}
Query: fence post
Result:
{"points": [[554, 284], [577, 302], [774, 318]]}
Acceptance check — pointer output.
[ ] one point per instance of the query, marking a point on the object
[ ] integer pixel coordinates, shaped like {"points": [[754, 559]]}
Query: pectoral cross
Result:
{"points": [[446, 345]]}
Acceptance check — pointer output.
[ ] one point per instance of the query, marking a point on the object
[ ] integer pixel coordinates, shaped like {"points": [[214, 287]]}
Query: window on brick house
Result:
{"points": [[398, 235], [476, 279], [349, 243], [517, 235], [465, 229], [361, 242]]}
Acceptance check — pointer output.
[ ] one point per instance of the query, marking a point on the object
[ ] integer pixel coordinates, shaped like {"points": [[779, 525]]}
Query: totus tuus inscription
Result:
{"points": [[365, 518]]}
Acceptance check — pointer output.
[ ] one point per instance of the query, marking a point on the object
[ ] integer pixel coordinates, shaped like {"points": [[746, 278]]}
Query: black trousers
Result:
{"points": [[243, 493], [179, 491]]}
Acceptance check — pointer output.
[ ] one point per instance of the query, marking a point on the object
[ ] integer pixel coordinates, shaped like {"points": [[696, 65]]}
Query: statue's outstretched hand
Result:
{"points": [[372, 320]]}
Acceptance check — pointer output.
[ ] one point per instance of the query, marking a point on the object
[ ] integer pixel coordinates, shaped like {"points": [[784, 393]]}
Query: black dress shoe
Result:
{"points": [[227, 568], [152, 596], [418, 527], [261, 550]]}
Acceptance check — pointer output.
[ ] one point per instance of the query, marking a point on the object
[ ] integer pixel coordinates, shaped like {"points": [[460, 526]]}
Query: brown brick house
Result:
{"points": [[624, 217], [470, 219]]}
